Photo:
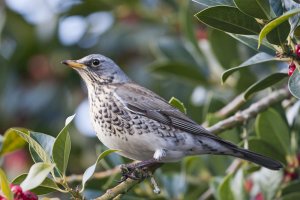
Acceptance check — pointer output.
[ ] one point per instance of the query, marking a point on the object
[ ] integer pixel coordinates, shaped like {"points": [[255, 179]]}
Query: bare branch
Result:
{"points": [[252, 111]]}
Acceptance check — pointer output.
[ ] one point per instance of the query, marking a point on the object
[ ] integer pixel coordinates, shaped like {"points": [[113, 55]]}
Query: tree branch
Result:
{"points": [[252, 111], [119, 189]]}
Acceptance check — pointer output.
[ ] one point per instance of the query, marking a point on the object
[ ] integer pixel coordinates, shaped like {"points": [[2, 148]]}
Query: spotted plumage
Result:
{"points": [[141, 124]]}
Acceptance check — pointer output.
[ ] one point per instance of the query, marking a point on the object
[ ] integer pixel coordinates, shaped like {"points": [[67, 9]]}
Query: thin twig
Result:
{"points": [[231, 107], [97, 175]]}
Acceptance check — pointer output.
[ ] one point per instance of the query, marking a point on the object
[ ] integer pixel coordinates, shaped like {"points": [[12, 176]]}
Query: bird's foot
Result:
{"points": [[134, 173], [138, 171]]}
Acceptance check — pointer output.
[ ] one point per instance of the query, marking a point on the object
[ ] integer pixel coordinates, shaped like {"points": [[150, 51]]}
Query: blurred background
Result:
{"points": [[159, 44]]}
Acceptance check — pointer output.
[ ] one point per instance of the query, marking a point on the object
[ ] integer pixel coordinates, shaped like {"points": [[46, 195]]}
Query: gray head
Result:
{"points": [[97, 69]]}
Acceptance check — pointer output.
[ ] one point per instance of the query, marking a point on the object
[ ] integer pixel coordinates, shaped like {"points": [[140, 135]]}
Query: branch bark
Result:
{"points": [[252, 111]]}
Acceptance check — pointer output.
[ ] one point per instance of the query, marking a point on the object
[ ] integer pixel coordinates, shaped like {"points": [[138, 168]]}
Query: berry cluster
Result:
{"points": [[19, 194], [292, 65]]}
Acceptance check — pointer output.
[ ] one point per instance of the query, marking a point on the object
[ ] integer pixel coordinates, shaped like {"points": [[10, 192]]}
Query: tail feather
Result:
{"points": [[258, 159]]}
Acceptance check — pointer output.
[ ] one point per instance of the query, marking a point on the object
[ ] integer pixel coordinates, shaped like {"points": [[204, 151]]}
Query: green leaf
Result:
{"points": [[218, 40], [47, 186], [252, 40], [292, 187], [271, 128], [37, 174], [5, 186], [294, 84], [229, 19], [297, 32], [12, 141], [276, 22], [214, 2], [291, 196], [181, 70], [237, 184], [62, 147], [180, 51], [177, 104], [279, 34], [46, 142], [90, 170], [264, 83], [256, 59], [264, 148], [187, 25], [224, 190], [35, 145], [276, 7], [256, 8]]}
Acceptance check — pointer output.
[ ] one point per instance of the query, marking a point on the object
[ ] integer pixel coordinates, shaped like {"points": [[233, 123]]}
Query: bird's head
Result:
{"points": [[97, 69]]}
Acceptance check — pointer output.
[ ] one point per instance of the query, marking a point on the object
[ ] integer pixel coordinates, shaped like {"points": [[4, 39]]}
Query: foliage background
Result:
{"points": [[162, 47]]}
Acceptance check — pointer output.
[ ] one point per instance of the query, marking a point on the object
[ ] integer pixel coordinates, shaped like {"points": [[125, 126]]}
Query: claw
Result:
{"points": [[133, 172]]}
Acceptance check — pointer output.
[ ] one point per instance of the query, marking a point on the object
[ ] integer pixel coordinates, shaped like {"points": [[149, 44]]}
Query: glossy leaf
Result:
{"points": [[251, 41], [297, 32], [291, 196], [62, 147], [47, 186], [4, 186], [90, 171], [276, 22], [279, 34], [37, 174], [45, 141], [294, 84], [224, 190], [218, 40], [276, 7], [229, 19], [292, 187], [12, 141], [186, 23], [237, 185], [256, 8], [264, 83], [271, 128], [289, 5], [256, 59], [264, 148], [180, 70], [214, 2], [35, 145], [177, 104]]}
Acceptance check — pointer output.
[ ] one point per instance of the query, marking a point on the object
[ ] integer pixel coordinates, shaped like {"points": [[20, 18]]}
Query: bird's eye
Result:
{"points": [[95, 62]]}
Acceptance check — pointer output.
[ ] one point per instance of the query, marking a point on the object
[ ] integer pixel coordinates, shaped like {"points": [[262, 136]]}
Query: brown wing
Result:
{"points": [[142, 101]]}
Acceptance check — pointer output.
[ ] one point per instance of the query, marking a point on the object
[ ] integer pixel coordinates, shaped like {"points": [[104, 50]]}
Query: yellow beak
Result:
{"points": [[73, 64]]}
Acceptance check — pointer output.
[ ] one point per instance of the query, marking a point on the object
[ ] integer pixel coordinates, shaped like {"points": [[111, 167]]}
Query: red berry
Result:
{"points": [[297, 50], [248, 184], [259, 196], [292, 68], [30, 196], [17, 191]]}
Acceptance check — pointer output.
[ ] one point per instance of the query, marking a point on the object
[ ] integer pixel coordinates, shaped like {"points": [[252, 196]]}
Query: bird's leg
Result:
{"points": [[138, 171]]}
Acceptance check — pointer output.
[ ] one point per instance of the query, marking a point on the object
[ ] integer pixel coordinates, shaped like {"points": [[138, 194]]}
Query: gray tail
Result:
{"points": [[257, 158]]}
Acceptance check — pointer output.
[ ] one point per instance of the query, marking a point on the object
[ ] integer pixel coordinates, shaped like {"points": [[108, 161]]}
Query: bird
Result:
{"points": [[142, 125]]}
